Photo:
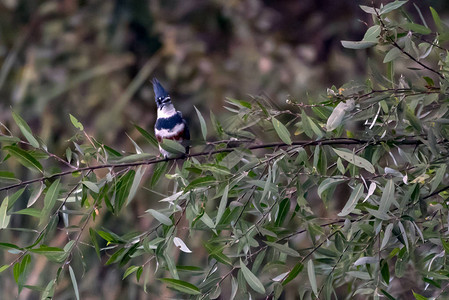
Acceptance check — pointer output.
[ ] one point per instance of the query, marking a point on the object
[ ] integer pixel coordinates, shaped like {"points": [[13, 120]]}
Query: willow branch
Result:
{"points": [[329, 142]]}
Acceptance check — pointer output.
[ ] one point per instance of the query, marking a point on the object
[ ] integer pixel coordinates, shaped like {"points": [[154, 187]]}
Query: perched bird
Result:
{"points": [[169, 124]]}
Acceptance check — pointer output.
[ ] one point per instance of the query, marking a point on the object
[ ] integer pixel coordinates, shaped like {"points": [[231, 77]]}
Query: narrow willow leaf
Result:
{"points": [[371, 34], [352, 202], [282, 131], [312, 277], [438, 178], [387, 236], [35, 194], [136, 182], [181, 245], [94, 240], [172, 146], [436, 20], [387, 197], [251, 279], [391, 6], [180, 285], [358, 45], [327, 184], [8, 177], [34, 212], [160, 217], [222, 205], [418, 28], [25, 129], [135, 157], [217, 253], [9, 139], [202, 123], [293, 273], [404, 234], [49, 201], [418, 296], [336, 118], [130, 270], [159, 171], [200, 182], [4, 218], [371, 189], [122, 189], [74, 283], [355, 160], [76, 123], [392, 54], [284, 249], [171, 265], [148, 136], [91, 186], [24, 158]]}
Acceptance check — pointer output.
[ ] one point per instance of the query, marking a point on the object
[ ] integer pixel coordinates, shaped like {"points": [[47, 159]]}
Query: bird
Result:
{"points": [[169, 123]]}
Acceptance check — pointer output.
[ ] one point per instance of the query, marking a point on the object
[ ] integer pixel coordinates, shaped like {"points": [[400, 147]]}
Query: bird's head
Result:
{"points": [[160, 94]]}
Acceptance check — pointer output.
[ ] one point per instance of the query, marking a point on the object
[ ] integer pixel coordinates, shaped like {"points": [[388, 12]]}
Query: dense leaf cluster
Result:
{"points": [[358, 209]]}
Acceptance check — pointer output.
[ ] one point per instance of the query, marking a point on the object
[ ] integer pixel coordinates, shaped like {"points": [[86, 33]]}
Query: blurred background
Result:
{"points": [[94, 59]]}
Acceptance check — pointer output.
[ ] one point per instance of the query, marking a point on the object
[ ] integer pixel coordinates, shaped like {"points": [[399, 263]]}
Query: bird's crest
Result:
{"points": [[160, 93]]}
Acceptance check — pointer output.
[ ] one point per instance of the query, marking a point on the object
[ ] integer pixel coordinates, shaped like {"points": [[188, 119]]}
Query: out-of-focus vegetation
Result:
{"points": [[93, 59]]}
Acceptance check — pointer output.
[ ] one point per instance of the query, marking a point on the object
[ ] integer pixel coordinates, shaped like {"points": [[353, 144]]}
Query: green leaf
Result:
{"points": [[358, 45], [222, 205], [73, 278], [202, 123], [251, 279], [417, 28], [8, 177], [312, 277], [391, 6], [372, 33], [438, 178], [387, 197], [24, 158], [217, 253], [327, 184], [76, 123], [53, 254], [336, 118], [25, 129], [136, 182], [293, 273], [34, 212], [4, 218], [200, 182], [282, 131], [130, 270], [436, 20], [180, 285], [148, 136], [392, 54], [284, 249], [172, 147], [9, 139], [352, 201], [418, 296], [14, 197], [159, 171], [49, 201], [355, 159], [94, 240], [91, 186], [122, 189], [160, 217]]}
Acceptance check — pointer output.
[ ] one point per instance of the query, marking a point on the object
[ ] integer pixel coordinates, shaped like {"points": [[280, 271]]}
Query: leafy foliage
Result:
{"points": [[359, 205]]}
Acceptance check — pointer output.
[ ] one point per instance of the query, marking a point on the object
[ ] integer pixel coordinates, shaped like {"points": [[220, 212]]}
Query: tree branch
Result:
{"points": [[329, 142]]}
